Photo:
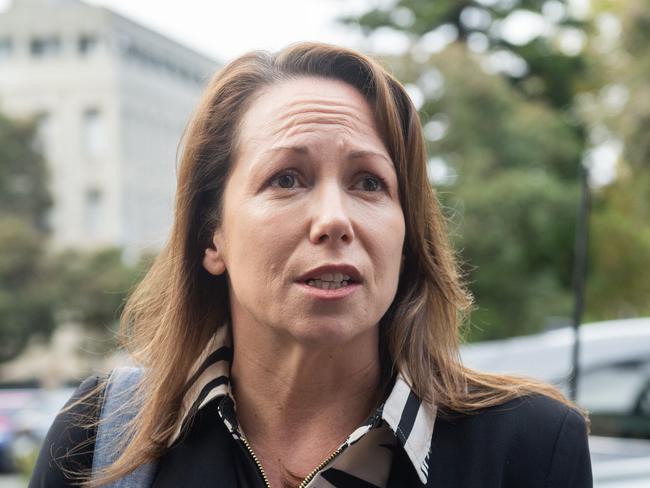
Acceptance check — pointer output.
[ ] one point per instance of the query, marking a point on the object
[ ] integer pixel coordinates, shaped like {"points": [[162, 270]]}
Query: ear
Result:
{"points": [[213, 260]]}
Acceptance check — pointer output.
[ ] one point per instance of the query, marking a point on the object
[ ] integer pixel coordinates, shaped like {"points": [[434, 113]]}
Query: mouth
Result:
{"points": [[330, 282], [331, 277]]}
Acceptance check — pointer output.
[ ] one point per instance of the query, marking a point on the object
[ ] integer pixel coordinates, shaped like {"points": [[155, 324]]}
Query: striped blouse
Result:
{"points": [[365, 457]]}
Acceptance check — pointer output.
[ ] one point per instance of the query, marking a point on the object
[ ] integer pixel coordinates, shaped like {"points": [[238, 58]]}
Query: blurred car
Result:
{"points": [[620, 463], [12, 401], [25, 417], [613, 385]]}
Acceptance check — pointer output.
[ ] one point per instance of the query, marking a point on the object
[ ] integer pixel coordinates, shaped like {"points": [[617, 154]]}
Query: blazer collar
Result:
{"points": [[410, 419]]}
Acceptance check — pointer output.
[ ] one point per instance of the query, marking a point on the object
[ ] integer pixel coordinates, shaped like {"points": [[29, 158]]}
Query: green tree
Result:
{"points": [[90, 287], [26, 307], [23, 174], [505, 153], [618, 284], [550, 73], [489, 127], [514, 200], [40, 289], [634, 122], [517, 234]]}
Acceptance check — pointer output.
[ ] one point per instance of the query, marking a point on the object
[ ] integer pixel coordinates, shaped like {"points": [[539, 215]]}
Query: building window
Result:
{"points": [[93, 212], [93, 133], [6, 49], [45, 47], [87, 45]]}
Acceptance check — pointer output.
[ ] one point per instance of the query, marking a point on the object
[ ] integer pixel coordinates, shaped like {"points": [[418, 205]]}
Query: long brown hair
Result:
{"points": [[178, 306]]}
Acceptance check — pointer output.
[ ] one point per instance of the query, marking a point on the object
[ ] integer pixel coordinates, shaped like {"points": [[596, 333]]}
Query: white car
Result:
{"points": [[614, 385]]}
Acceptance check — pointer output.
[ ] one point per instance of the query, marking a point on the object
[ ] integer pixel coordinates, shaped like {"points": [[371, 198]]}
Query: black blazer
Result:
{"points": [[531, 442]]}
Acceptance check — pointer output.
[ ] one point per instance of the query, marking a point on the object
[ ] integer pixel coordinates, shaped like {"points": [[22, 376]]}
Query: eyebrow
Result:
{"points": [[356, 154]]}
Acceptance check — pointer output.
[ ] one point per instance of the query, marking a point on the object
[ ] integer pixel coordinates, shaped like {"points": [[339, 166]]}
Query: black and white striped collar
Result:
{"points": [[410, 419]]}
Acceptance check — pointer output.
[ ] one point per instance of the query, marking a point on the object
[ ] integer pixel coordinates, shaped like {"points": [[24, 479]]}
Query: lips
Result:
{"points": [[333, 269]]}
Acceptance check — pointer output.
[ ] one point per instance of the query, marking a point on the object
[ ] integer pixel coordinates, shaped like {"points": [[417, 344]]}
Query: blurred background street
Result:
{"points": [[536, 115]]}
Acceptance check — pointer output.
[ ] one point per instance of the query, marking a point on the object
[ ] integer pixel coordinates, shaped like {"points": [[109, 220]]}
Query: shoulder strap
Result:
{"points": [[117, 411]]}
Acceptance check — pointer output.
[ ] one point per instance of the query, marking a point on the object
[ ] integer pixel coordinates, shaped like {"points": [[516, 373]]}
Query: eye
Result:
{"points": [[372, 183], [286, 180]]}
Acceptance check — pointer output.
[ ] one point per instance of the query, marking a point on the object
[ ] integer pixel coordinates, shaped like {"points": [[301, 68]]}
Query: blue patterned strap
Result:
{"points": [[118, 409]]}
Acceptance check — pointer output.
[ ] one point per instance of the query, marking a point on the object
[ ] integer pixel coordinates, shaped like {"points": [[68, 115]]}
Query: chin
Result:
{"points": [[331, 333]]}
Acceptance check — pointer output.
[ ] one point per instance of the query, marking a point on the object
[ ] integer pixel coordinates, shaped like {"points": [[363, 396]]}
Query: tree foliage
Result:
{"points": [[25, 306], [516, 235], [513, 197], [23, 173], [492, 127], [40, 288], [618, 284], [634, 122], [550, 74], [506, 152], [91, 287]]}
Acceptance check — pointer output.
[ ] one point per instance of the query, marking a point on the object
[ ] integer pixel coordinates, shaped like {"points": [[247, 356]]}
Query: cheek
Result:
{"points": [[395, 245], [385, 236], [261, 241]]}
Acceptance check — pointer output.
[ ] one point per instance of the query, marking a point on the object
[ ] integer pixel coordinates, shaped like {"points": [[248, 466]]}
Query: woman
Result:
{"points": [[301, 326]]}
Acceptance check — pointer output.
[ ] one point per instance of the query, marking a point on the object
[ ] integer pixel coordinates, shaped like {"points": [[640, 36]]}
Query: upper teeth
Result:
{"points": [[329, 281], [332, 277]]}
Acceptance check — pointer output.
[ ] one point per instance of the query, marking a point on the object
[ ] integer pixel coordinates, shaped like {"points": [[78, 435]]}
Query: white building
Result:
{"points": [[111, 98]]}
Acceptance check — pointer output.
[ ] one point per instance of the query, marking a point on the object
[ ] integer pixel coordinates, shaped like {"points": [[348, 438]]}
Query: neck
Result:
{"points": [[289, 393]]}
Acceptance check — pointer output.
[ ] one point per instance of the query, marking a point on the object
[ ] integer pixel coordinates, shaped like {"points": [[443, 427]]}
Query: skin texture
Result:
{"points": [[312, 184]]}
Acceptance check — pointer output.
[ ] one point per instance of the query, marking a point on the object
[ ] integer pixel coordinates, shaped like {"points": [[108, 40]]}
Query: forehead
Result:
{"points": [[294, 108]]}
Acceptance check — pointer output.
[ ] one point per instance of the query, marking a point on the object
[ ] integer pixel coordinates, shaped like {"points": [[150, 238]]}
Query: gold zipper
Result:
{"points": [[257, 461], [311, 475]]}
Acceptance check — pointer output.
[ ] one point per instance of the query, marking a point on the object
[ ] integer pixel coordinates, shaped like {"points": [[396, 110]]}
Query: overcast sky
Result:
{"points": [[224, 29]]}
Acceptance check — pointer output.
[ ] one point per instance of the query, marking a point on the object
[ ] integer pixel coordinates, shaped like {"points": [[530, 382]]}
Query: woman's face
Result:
{"points": [[312, 228]]}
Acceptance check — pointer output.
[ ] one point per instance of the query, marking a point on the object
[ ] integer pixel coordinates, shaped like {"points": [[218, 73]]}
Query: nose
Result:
{"points": [[330, 219]]}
